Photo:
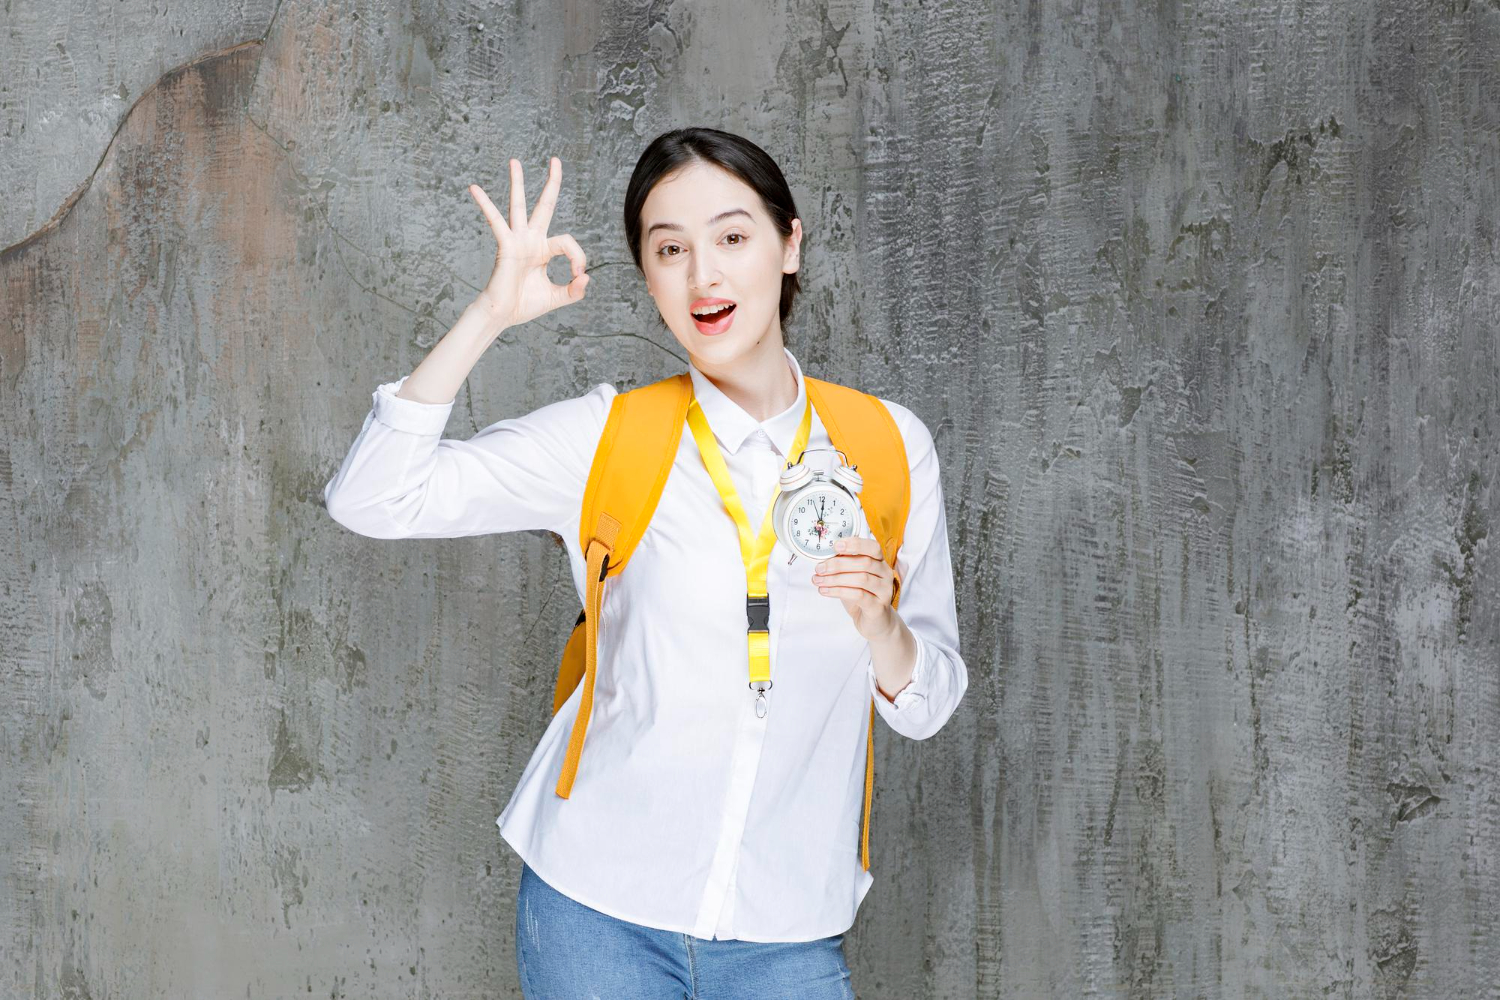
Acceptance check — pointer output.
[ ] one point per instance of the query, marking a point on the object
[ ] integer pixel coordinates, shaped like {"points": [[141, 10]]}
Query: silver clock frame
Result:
{"points": [[819, 482]]}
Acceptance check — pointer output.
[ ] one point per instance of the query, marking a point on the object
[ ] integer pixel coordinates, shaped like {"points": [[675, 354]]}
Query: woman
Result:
{"points": [[705, 849]]}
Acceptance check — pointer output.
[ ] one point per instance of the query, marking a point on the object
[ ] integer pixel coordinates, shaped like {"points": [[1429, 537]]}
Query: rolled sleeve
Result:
{"points": [[409, 415]]}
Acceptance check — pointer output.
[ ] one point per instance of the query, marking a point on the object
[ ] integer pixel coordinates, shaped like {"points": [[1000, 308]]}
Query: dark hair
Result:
{"points": [[736, 154]]}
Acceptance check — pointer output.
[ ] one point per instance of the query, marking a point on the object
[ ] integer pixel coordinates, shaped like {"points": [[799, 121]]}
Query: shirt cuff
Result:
{"points": [[913, 689], [408, 414]]}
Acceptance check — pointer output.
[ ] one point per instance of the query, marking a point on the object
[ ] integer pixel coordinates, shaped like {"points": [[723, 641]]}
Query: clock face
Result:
{"points": [[818, 517]]}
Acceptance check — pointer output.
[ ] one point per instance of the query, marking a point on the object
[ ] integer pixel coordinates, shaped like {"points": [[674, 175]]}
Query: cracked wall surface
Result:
{"points": [[1199, 303], [70, 75]]}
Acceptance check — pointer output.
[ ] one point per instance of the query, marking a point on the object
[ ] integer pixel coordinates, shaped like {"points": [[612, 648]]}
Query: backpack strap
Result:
{"points": [[859, 425], [631, 464]]}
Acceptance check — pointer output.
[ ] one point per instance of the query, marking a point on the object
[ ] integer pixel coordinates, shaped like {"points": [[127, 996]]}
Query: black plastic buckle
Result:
{"points": [[758, 610]]}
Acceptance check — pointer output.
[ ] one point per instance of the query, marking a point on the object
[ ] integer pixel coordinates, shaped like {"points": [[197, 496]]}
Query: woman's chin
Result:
{"points": [[718, 348], [714, 343]]}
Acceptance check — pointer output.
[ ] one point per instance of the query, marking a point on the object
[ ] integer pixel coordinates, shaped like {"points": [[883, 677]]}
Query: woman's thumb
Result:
{"points": [[571, 292]]}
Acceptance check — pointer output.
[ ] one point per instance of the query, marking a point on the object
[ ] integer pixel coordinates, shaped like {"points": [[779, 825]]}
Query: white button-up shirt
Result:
{"points": [[688, 813]]}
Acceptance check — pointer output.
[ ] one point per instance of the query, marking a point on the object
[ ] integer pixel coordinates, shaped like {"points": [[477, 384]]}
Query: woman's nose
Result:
{"points": [[705, 273]]}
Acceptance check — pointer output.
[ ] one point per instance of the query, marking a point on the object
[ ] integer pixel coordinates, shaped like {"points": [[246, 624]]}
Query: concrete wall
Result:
{"points": [[1200, 302]]}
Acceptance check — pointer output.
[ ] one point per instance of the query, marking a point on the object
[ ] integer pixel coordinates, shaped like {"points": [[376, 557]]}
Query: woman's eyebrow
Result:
{"points": [[722, 215]]}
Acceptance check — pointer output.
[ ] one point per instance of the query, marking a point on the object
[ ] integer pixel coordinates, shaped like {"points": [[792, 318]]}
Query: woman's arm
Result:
{"points": [[402, 479], [438, 378], [939, 675]]}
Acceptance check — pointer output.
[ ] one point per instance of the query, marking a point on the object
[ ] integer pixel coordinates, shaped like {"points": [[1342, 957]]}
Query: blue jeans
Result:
{"points": [[568, 951]]}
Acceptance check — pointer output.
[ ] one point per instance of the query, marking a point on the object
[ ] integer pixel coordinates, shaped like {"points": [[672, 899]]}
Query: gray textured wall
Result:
{"points": [[1200, 302]]}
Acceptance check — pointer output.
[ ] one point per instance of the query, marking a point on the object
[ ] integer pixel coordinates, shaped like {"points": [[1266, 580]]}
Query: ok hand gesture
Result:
{"points": [[519, 289]]}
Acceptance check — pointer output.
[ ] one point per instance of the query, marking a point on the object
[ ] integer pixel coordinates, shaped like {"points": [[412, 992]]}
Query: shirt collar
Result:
{"points": [[732, 425]]}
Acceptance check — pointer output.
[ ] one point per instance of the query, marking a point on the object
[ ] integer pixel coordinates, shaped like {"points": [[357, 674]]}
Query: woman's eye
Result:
{"points": [[662, 251]]}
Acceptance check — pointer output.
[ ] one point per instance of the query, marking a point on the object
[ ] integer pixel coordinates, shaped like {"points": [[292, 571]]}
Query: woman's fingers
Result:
{"points": [[573, 290], [852, 593], [491, 213], [563, 243], [517, 196], [854, 560], [853, 586], [861, 571], [852, 545], [852, 578], [848, 593], [541, 216]]}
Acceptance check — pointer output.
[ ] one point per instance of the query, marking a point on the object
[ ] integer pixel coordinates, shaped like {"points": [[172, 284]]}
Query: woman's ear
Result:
{"points": [[791, 257]]}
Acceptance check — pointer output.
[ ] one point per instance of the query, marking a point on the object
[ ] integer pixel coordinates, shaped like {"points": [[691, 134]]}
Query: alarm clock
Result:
{"points": [[813, 509]]}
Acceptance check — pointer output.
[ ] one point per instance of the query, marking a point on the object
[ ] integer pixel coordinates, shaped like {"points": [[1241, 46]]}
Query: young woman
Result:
{"points": [[709, 845]]}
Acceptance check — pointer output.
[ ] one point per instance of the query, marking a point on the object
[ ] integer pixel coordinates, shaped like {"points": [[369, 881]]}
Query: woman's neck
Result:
{"points": [[762, 382]]}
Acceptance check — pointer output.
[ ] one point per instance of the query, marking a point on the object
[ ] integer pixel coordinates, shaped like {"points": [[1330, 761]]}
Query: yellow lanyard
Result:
{"points": [[755, 550]]}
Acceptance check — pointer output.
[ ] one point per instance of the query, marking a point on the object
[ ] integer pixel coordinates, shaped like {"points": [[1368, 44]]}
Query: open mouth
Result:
{"points": [[716, 322]]}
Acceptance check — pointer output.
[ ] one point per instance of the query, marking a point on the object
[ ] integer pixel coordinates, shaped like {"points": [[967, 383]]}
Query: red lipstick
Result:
{"points": [[715, 323]]}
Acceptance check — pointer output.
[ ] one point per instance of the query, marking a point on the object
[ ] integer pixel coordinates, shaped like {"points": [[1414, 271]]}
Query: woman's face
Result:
{"points": [[705, 235]]}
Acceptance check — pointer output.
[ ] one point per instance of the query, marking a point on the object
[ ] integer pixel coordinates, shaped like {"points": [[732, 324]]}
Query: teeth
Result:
{"points": [[712, 311]]}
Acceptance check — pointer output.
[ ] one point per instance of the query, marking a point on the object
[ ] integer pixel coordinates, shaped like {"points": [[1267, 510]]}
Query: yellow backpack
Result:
{"points": [[631, 465]]}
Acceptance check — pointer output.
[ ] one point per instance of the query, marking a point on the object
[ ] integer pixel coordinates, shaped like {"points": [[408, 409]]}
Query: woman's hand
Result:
{"points": [[864, 581], [519, 288]]}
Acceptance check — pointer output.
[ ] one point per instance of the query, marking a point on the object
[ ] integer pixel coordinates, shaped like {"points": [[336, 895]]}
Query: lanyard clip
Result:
{"points": [[760, 698], [758, 611]]}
